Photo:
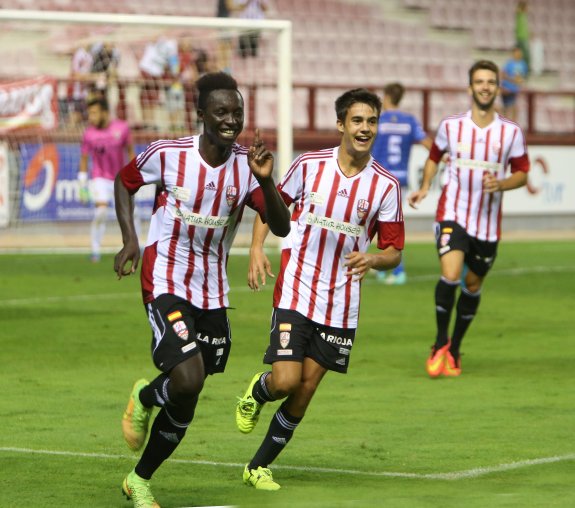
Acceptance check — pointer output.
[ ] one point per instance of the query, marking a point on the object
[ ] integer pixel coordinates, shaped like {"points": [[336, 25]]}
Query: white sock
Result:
{"points": [[98, 228]]}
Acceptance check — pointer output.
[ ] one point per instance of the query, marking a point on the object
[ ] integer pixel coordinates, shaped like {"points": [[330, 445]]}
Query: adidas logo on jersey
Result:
{"points": [[211, 186], [343, 193]]}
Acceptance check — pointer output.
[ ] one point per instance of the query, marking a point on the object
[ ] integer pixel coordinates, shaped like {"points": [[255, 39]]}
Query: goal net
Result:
{"points": [[54, 61]]}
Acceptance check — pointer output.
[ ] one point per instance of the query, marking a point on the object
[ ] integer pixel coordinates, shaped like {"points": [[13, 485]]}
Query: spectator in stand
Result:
{"points": [[188, 77], [536, 55], [514, 73], [159, 67], [225, 43], [79, 84], [522, 31], [204, 64], [175, 95], [106, 58], [254, 10]]}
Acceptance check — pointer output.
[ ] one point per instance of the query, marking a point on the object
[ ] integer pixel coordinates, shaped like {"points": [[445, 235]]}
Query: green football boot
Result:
{"points": [[248, 409], [136, 418], [260, 478], [138, 490]]}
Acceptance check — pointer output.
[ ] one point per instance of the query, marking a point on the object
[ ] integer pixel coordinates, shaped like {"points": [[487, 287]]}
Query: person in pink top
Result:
{"points": [[487, 157], [108, 143]]}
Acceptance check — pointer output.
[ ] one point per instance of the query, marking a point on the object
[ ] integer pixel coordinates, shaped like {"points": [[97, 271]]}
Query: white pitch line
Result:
{"points": [[455, 475], [245, 289]]}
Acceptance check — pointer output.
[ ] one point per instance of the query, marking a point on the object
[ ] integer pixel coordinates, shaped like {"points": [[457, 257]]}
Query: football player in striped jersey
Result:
{"points": [[487, 157]]}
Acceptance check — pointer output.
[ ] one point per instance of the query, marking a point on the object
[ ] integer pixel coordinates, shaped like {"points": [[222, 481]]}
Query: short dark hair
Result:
{"points": [[395, 92], [213, 81], [483, 65], [99, 101], [349, 98]]}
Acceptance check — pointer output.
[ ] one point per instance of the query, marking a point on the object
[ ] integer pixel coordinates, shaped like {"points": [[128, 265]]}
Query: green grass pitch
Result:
{"points": [[73, 339]]}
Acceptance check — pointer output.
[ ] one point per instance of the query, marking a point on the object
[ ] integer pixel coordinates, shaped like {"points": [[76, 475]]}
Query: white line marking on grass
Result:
{"points": [[456, 475], [245, 289]]}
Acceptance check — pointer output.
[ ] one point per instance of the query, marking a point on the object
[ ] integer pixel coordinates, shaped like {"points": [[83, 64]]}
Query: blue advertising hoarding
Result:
{"points": [[49, 186]]}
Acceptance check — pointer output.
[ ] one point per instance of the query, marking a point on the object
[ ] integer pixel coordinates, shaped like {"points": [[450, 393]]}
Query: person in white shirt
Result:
{"points": [[342, 198], [159, 68], [249, 41], [487, 156], [203, 184]]}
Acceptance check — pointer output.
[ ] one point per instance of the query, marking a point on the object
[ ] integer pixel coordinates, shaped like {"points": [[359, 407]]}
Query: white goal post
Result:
{"points": [[284, 66]]}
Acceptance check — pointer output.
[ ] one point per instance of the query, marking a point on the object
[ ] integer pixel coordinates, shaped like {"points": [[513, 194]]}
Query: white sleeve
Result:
{"points": [[149, 163], [390, 209], [441, 139], [518, 147], [292, 182]]}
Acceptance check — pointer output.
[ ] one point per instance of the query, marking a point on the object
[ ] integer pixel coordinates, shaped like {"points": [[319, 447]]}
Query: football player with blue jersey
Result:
{"points": [[397, 132]]}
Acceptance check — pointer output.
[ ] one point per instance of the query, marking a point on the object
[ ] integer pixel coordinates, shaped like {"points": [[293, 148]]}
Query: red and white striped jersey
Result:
{"points": [[333, 216], [474, 151], [196, 216]]}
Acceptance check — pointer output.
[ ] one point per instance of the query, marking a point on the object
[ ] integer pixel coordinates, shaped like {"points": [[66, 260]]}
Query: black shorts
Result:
{"points": [[293, 337], [479, 255], [180, 331]]}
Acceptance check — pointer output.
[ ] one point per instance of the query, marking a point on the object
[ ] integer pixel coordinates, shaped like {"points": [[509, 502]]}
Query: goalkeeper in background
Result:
{"points": [[109, 145]]}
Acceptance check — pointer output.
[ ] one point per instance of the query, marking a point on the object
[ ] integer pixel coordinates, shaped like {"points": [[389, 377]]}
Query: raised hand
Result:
{"points": [[260, 159]]}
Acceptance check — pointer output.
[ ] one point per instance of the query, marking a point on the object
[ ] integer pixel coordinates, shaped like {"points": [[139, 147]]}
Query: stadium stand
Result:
{"points": [[349, 43]]}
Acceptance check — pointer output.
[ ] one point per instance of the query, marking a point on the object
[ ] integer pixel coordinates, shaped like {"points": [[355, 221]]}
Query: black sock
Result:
{"points": [[444, 300], [260, 391], [280, 431], [156, 393], [467, 305], [165, 436]]}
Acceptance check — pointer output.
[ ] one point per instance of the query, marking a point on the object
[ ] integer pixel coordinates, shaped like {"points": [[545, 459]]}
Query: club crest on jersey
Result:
{"points": [[181, 330], [231, 194], [496, 147], [284, 339], [362, 208]]}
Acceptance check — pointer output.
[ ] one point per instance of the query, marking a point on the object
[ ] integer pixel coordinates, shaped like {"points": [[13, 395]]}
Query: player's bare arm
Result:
{"points": [[360, 263], [130, 253], [492, 184], [260, 266], [429, 171], [261, 162]]}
